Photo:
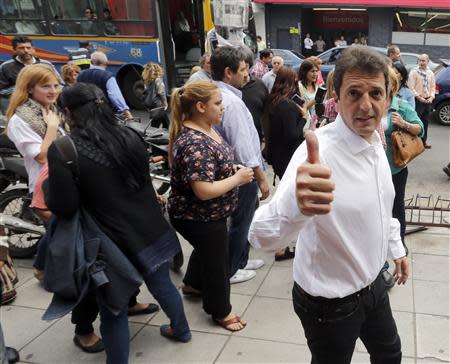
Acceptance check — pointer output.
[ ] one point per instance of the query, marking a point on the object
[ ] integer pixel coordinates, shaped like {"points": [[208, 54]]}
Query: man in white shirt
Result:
{"points": [[422, 83], [337, 201], [204, 74], [308, 43], [269, 78]]}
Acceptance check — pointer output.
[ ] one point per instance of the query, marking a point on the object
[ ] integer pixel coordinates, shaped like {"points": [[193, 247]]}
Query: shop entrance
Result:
{"points": [[331, 25]]}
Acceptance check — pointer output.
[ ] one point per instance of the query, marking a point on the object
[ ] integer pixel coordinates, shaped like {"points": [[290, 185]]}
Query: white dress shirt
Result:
{"points": [[342, 252]]}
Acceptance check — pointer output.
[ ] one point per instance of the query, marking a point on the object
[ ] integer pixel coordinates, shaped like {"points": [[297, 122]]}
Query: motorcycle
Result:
{"points": [[22, 227]]}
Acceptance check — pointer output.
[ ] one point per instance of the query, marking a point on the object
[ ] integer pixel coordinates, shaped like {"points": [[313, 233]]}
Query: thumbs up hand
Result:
{"points": [[314, 186]]}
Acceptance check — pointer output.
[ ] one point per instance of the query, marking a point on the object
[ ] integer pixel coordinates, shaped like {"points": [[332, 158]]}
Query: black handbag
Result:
{"points": [[150, 97]]}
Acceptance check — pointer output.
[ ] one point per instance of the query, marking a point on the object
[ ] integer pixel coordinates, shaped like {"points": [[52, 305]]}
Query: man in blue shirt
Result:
{"points": [[229, 70], [105, 80]]}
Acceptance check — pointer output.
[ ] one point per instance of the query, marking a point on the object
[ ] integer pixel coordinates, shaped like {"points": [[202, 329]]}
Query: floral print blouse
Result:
{"points": [[197, 157]]}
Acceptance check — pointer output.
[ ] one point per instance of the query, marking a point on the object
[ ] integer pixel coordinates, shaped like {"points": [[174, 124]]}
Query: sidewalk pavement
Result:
{"points": [[273, 334]]}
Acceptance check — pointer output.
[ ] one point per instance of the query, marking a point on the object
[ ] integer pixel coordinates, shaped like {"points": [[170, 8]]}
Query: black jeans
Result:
{"points": [[423, 110], [332, 326], [398, 210], [208, 267]]}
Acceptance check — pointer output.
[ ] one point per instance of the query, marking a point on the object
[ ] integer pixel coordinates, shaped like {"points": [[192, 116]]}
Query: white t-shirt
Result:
{"points": [[28, 143], [308, 43]]}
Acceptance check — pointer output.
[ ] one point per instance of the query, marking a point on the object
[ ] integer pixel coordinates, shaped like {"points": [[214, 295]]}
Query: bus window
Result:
{"points": [[72, 17], [22, 17], [135, 18]]}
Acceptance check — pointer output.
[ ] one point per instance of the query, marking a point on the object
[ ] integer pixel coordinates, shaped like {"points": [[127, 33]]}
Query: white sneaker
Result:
{"points": [[253, 264], [242, 276]]}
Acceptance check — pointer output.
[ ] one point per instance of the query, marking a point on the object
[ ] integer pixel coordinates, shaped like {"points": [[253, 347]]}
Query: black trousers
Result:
{"points": [[208, 267], [398, 210], [86, 312], [332, 326], [423, 110]]}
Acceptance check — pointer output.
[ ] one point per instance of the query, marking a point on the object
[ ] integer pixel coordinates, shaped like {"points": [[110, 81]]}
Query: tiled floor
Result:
{"points": [[274, 333]]}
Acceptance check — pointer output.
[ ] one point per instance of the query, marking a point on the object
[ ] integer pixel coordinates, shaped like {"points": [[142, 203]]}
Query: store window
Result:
{"points": [[21, 17], [421, 21]]}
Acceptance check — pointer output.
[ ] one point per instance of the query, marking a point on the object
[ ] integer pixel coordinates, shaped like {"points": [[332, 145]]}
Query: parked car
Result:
{"points": [[410, 60], [289, 57], [330, 56], [441, 103]]}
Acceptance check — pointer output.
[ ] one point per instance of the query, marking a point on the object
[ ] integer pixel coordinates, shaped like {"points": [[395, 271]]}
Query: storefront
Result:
{"points": [[415, 25]]}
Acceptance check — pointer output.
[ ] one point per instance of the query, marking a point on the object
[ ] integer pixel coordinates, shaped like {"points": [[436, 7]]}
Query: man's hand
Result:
{"points": [[314, 186], [401, 271], [127, 114], [264, 188]]}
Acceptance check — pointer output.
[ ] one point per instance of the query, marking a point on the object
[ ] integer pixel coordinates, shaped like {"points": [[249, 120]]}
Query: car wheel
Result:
{"points": [[442, 113]]}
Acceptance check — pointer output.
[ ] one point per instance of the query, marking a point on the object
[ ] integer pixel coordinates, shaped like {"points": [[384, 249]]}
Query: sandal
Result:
{"points": [[287, 254], [227, 323]]}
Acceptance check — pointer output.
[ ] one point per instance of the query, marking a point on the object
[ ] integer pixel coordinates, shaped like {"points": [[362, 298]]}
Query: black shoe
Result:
{"points": [[177, 262], [151, 308], [446, 169], [12, 355], [95, 348], [388, 279]]}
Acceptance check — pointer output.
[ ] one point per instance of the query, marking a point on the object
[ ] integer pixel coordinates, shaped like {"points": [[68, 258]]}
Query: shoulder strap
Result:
{"points": [[68, 152]]}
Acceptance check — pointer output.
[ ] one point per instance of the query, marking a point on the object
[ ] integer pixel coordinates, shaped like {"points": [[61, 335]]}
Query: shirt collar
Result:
{"points": [[18, 59], [97, 67], [356, 143], [226, 87]]}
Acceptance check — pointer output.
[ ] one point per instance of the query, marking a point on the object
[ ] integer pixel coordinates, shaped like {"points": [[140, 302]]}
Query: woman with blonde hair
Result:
{"points": [[32, 119], [204, 183], [154, 95], [69, 73]]}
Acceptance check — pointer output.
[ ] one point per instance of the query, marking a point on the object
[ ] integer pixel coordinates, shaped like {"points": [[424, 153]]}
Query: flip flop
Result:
{"points": [[226, 323]]}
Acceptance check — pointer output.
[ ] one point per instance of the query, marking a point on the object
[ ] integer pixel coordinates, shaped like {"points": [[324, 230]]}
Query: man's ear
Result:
{"points": [[227, 73], [334, 96]]}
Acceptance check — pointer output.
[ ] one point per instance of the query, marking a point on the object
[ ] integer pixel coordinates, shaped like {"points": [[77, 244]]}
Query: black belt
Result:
{"points": [[361, 292]]}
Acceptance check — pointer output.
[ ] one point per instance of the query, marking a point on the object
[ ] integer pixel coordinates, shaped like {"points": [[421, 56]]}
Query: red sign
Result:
{"points": [[357, 20], [435, 4]]}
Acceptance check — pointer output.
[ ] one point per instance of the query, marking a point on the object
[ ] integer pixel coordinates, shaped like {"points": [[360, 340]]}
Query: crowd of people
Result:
{"points": [[231, 115]]}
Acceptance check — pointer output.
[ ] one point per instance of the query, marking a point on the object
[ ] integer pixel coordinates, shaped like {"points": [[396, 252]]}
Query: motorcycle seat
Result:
{"points": [[15, 165]]}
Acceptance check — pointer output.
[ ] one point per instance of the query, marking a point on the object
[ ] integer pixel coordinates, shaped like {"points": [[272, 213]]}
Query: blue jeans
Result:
{"points": [[114, 329], [161, 287], [240, 222]]}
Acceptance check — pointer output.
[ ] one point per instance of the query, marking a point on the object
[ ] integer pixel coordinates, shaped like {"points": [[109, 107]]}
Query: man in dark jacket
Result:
{"points": [[254, 94], [9, 70]]}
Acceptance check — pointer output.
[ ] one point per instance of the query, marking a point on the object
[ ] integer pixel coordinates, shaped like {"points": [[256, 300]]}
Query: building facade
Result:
{"points": [[417, 26]]}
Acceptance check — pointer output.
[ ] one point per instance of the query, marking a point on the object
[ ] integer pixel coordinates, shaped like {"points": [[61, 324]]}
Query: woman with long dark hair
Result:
{"points": [[286, 120], [307, 85], [404, 92], [203, 195], [114, 186]]}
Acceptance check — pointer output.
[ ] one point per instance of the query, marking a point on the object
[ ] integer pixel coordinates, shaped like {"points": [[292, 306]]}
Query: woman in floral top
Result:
{"points": [[204, 185]]}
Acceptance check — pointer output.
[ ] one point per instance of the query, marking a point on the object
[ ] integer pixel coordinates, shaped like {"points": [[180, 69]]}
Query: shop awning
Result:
{"points": [[435, 4]]}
